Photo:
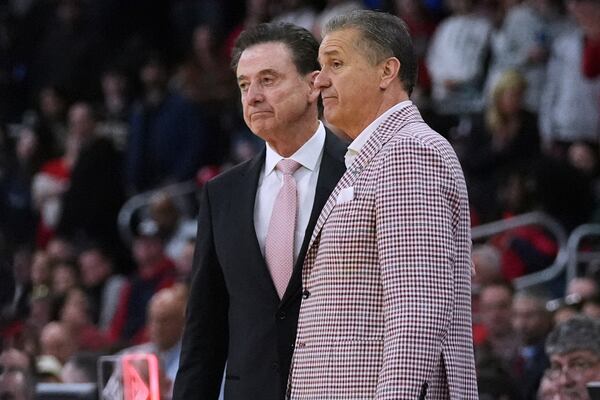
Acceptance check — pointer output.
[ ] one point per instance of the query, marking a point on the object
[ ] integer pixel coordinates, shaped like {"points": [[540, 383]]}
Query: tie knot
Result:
{"points": [[287, 166]]}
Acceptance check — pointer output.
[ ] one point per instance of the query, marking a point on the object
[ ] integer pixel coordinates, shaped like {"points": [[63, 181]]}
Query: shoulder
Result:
{"points": [[235, 176]]}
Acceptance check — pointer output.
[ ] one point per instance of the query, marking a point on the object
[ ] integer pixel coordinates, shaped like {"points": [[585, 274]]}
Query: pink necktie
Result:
{"points": [[279, 247]]}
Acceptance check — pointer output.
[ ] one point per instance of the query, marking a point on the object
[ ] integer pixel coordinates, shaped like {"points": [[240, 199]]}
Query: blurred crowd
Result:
{"points": [[104, 100]]}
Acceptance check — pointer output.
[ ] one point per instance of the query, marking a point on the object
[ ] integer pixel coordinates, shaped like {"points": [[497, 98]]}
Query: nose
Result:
{"points": [[254, 94], [322, 80]]}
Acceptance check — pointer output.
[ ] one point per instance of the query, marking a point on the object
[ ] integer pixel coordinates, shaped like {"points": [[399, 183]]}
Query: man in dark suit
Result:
{"points": [[254, 224]]}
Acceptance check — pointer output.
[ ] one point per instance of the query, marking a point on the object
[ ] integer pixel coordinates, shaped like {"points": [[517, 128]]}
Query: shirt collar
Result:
{"points": [[307, 155], [363, 137]]}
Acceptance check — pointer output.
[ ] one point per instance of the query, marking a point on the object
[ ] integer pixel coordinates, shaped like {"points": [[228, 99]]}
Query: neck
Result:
{"points": [[287, 143], [389, 99]]}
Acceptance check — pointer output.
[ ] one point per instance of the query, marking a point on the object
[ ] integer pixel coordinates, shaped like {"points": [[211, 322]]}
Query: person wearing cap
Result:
{"points": [[154, 271], [254, 225]]}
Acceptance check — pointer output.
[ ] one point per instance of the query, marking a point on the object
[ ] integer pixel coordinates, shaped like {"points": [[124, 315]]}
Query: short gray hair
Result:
{"points": [[578, 333], [383, 35]]}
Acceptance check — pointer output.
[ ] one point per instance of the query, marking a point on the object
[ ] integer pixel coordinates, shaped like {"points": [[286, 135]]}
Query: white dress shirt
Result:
{"points": [[363, 137], [270, 181]]}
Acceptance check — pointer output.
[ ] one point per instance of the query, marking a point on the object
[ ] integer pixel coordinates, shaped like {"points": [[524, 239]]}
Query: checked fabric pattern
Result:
{"points": [[279, 246], [387, 277]]}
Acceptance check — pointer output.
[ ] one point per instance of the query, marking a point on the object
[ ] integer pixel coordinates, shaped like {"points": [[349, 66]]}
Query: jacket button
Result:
{"points": [[281, 315], [305, 294]]}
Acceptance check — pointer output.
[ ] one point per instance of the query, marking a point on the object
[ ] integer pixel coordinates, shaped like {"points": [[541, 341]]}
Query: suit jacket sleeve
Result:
{"points": [[416, 207], [204, 346]]}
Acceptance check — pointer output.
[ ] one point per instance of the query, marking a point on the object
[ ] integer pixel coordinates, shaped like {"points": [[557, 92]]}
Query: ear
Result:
{"points": [[314, 92], [390, 68]]}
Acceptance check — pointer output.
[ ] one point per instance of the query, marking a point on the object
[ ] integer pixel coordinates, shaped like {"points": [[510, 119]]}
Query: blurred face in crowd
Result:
{"points": [[586, 288], [13, 360], [81, 121], [13, 386], [64, 278], [495, 305], [530, 319], [570, 372], [511, 100], [56, 341], [278, 101], [51, 104], [349, 81], [75, 310], [166, 318], [147, 250], [59, 249], [40, 269], [93, 267]]}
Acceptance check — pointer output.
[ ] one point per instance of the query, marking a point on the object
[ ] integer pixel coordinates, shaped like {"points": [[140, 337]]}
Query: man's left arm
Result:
{"points": [[416, 200]]}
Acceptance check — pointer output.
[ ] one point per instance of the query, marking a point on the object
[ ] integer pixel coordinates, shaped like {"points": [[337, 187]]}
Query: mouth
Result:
{"points": [[259, 114]]}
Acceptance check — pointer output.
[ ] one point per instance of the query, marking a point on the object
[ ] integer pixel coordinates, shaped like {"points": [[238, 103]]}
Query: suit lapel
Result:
{"points": [[378, 139], [331, 169], [242, 215]]}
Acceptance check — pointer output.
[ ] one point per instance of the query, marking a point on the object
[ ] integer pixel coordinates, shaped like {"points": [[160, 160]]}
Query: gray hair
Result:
{"points": [[578, 333], [383, 35]]}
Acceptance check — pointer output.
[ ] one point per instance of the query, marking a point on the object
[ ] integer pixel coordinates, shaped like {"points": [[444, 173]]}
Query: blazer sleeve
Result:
{"points": [[205, 338], [415, 200]]}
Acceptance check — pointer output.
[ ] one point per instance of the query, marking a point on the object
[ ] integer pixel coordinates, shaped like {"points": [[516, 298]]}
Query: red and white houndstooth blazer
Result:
{"points": [[386, 310]]}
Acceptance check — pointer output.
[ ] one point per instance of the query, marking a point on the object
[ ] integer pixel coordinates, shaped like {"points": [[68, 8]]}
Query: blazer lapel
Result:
{"points": [[331, 169], [242, 216], [378, 139]]}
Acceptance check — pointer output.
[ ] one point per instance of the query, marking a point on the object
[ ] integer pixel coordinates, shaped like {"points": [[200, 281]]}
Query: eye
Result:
{"points": [[267, 80], [336, 64], [243, 87]]}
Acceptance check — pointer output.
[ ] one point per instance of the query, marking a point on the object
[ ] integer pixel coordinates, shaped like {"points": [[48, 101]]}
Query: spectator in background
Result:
{"points": [[504, 139], [173, 228], [455, 60], [574, 351], [17, 216], [297, 12], [57, 341], [585, 288], [587, 14], [487, 263], [60, 249], [75, 316], [16, 289], [591, 308], [115, 109], [95, 194], [522, 44], [102, 286], [51, 120], [81, 368], [165, 322], [17, 385], [494, 336], [64, 278], [569, 109], [185, 261], [332, 9], [170, 138], [531, 323], [41, 273], [154, 271]]}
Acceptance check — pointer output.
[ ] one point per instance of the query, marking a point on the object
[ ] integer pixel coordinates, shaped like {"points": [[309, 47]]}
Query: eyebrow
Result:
{"points": [[261, 72]]}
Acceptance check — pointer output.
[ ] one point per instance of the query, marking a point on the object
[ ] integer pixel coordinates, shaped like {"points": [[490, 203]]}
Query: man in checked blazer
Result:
{"points": [[237, 314], [386, 309]]}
